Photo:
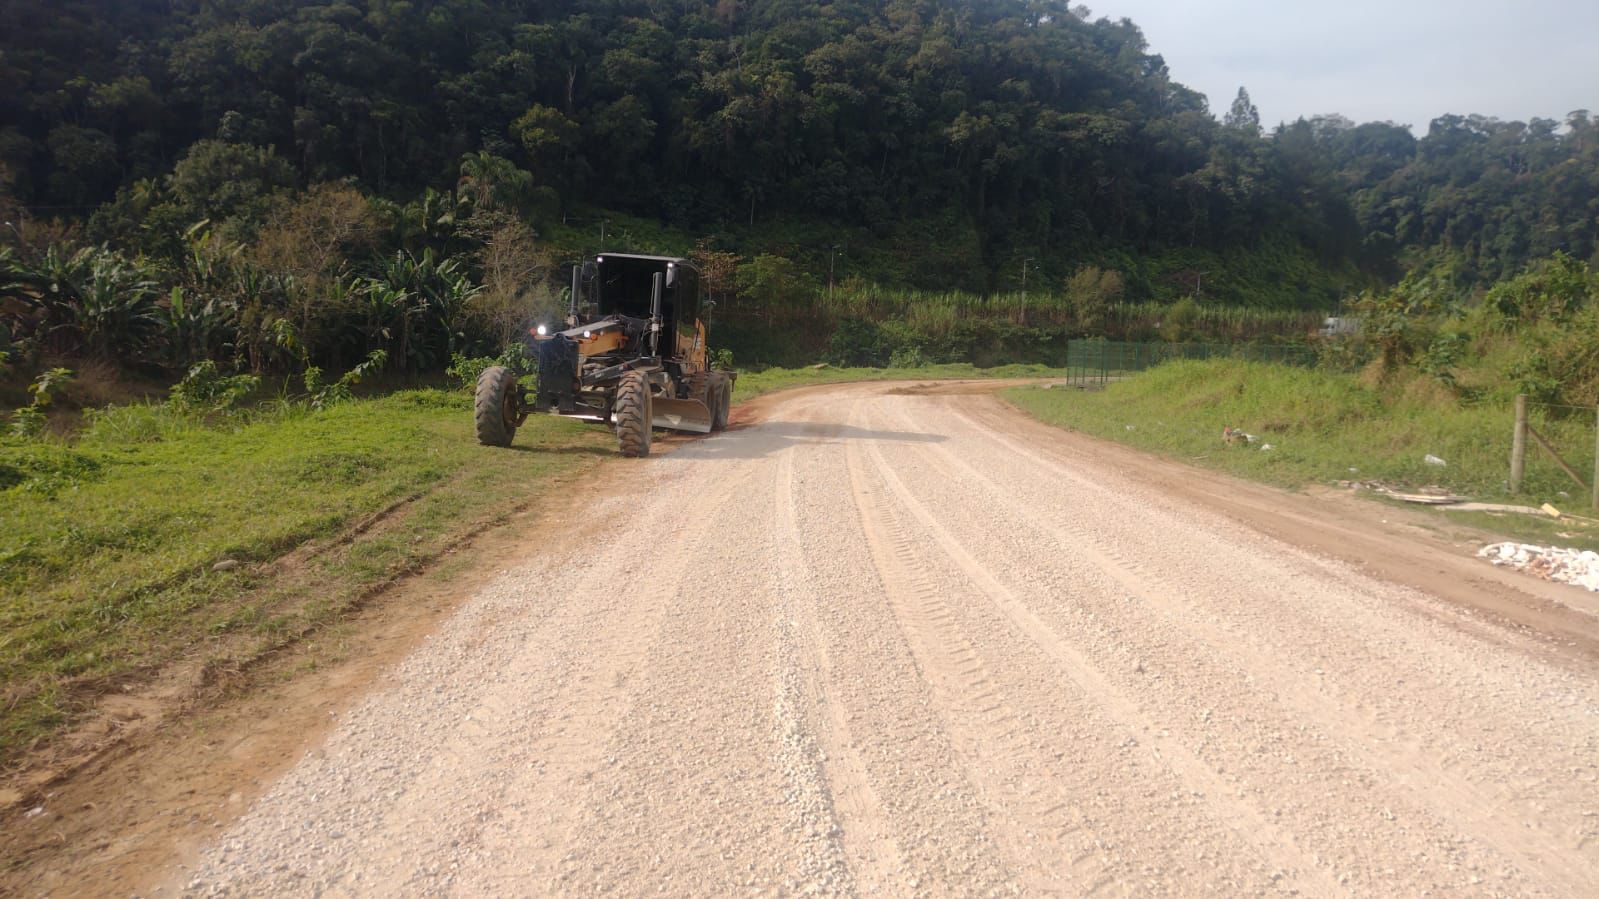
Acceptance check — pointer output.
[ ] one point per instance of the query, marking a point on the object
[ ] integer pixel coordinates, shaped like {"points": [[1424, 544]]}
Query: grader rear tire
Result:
{"points": [[633, 415], [720, 400], [494, 406]]}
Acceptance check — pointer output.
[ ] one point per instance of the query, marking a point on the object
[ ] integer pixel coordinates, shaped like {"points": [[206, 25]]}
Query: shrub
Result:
{"points": [[857, 343], [323, 395], [204, 389], [775, 282], [466, 369]]}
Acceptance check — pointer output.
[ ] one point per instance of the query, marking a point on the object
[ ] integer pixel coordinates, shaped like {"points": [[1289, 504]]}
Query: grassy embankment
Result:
{"points": [[109, 541], [1325, 427], [109, 544]]}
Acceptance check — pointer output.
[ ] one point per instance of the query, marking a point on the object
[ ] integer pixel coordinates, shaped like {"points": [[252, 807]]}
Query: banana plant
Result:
{"points": [[115, 315]]}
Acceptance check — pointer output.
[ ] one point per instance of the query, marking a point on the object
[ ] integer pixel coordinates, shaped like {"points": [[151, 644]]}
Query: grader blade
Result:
{"points": [[681, 415]]}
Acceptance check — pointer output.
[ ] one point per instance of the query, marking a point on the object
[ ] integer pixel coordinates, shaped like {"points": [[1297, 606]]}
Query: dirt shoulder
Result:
{"points": [[1411, 547], [176, 762]]}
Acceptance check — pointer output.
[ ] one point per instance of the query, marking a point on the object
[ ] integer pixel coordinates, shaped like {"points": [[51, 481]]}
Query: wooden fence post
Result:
{"points": [[1518, 445]]}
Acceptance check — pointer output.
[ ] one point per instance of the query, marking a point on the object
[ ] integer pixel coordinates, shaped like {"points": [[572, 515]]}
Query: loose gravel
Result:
{"points": [[877, 645]]}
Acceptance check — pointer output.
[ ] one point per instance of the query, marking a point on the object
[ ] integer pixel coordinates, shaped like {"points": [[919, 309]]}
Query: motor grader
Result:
{"points": [[631, 354]]}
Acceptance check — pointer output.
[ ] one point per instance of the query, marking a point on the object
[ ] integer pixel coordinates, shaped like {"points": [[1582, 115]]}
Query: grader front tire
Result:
{"points": [[494, 406], [633, 415]]}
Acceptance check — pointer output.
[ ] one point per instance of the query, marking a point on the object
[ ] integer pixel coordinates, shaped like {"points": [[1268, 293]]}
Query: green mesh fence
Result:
{"points": [[1092, 363]]}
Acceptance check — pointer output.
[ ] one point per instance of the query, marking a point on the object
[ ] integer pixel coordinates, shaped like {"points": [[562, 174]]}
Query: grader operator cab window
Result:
{"points": [[626, 282]]}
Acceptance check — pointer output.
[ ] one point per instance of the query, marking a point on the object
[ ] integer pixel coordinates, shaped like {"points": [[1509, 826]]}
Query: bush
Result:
{"points": [[27, 423], [1180, 320], [324, 395], [203, 389], [857, 343], [775, 282], [466, 369], [907, 357]]}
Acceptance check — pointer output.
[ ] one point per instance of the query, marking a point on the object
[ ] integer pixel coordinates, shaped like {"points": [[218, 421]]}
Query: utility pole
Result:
{"points": [[603, 224], [832, 252], [1199, 288]]}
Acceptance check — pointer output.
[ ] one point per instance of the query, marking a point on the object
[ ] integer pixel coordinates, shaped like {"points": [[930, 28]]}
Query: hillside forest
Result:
{"points": [[270, 186]]}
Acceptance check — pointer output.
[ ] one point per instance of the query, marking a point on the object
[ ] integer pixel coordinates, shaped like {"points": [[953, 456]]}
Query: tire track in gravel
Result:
{"points": [[1482, 803], [1257, 830], [1409, 768], [708, 730], [1443, 636], [1281, 562], [983, 725], [825, 751], [546, 802], [943, 829], [413, 785]]}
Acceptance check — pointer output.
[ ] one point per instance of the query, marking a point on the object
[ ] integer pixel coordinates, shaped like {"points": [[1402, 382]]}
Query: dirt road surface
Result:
{"points": [[902, 641]]}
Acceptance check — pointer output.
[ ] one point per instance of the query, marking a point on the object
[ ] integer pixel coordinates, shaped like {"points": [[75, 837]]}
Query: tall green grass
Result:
{"points": [[1322, 427], [939, 312]]}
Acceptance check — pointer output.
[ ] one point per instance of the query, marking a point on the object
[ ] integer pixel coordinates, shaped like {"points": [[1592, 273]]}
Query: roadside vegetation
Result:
{"points": [[1433, 372], [202, 533]]}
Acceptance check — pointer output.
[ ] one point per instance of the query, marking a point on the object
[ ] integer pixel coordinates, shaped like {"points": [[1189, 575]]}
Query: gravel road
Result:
{"points": [[882, 642]]}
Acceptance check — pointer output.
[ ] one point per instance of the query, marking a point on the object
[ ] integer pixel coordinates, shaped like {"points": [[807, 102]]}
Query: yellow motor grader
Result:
{"points": [[631, 353]]}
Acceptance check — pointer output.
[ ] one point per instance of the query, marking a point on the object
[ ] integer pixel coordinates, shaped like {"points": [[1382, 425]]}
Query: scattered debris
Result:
{"points": [[1494, 508], [1131, 428], [1426, 498], [1234, 437], [225, 565], [1552, 512], [1266, 446], [1552, 563], [1430, 459], [1431, 495]]}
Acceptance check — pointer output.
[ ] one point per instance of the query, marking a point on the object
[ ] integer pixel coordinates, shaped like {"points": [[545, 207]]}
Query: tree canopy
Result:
{"points": [[1030, 124]]}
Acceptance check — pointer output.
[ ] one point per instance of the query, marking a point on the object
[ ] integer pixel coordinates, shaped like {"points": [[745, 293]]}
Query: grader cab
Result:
{"points": [[631, 353]]}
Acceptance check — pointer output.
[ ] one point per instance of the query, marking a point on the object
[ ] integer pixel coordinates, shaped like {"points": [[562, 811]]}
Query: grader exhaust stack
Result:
{"points": [[632, 354]]}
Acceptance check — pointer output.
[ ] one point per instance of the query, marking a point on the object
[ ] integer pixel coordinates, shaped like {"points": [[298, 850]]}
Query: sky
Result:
{"points": [[1406, 61]]}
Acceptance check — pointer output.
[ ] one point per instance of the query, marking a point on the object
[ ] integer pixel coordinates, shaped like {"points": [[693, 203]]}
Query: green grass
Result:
{"points": [[107, 545], [753, 384], [1325, 427]]}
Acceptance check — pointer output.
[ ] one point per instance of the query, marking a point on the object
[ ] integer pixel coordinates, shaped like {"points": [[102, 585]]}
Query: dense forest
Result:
{"points": [[328, 178]]}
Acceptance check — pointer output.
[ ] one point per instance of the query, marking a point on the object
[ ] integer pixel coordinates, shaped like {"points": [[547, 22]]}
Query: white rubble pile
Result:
{"points": [[1552, 563]]}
